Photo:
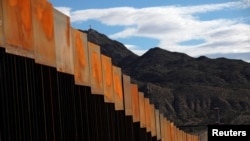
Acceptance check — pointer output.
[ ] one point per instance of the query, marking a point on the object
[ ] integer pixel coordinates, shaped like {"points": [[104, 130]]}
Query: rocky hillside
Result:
{"points": [[120, 55], [189, 91]]}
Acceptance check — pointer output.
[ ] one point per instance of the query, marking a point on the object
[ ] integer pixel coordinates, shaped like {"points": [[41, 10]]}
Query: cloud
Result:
{"points": [[244, 4], [109, 16], [172, 25], [241, 4], [135, 49], [64, 10]]}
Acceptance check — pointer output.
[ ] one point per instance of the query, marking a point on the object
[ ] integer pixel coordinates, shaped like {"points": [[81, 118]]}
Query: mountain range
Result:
{"points": [[191, 92]]}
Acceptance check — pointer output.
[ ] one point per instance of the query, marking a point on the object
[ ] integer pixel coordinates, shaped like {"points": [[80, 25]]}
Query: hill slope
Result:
{"points": [[187, 90]]}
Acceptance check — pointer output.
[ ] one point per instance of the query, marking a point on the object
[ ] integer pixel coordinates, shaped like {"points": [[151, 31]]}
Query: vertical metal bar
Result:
{"points": [[142, 117], [85, 91], [135, 111], [135, 103], [79, 114], [152, 115], [82, 113], [143, 134], [111, 113], [129, 131], [123, 124], [120, 124], [14, 122], [1, 25], [162, 122], [93, 127], [61, 96], [66, 92], [107, 75], [147, 114], [158, 124], [31, 96], [106, 128], [100, 115], [172, 131], [40, 100], [49, 82], [5, 94], [149, 136], [2, 90], [24, 76], [129, 128]]}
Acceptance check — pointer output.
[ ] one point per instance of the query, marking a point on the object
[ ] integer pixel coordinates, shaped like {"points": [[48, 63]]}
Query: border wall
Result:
{"points": [[55, 85]]}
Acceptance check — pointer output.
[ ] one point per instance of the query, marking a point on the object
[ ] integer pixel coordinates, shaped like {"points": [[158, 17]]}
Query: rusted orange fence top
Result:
{"points": [[34, 29]]}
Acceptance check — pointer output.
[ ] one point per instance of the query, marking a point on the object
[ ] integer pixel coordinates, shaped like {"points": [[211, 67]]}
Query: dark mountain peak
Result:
{"points": [[91, 30], [155, 52], [155, 49], [158, 51], [161, 56], [97, 38], [202, 58]]}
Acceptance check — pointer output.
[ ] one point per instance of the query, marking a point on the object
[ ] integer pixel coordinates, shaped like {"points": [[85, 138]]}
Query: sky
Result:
{"points": [[212, 28]]}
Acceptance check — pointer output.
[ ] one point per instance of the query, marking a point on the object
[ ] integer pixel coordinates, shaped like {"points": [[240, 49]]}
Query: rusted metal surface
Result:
{"points": [[127, 95], [142, 110], [177, 134], [196, 137], [80, 57], [117, 85], [168, 130], [181, 138], [192, 138], [163, 127], [172, 131], [152, 114], [17, 21], [135, 103], [203, 136], [95, 69], [43, 30], [64, 51], [157, 124], [1, 25], [107, 79], [184, 136], [188, 137], [147, 115]]}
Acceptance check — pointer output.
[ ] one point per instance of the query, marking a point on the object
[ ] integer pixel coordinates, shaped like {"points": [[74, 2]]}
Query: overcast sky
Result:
{"points": [[213, 28]]}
